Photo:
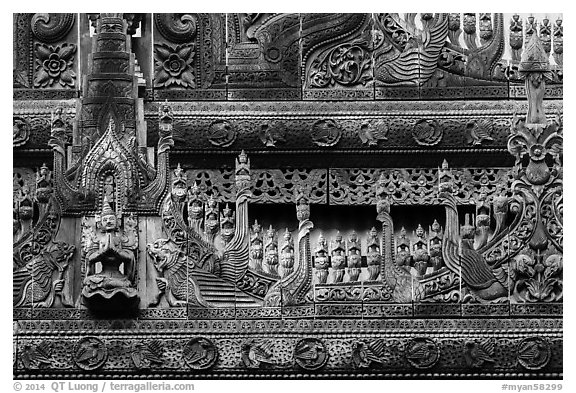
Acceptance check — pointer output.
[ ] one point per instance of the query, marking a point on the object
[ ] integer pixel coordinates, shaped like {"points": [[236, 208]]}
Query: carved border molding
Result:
{"points": [[434, 127], [221, 355], [376, 312]]}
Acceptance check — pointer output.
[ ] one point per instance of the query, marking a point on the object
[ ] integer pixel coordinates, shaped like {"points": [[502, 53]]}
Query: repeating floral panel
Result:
{"points": [[415, 186]]}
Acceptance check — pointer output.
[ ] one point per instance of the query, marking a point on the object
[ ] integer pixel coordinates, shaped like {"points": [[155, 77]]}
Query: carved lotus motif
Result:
{"points": [[54, 64], [174, 65]]}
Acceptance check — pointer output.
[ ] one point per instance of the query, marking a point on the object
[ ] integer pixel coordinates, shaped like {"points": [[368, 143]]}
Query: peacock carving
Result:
{"points": [[484, 281]]}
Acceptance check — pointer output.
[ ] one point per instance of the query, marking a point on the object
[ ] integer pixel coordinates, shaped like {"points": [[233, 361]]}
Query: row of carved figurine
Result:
{"points": [[345, 255], [92, 353]]}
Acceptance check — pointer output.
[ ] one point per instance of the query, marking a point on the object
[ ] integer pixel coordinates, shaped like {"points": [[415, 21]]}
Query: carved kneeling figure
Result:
{"points": [[110, 288]]}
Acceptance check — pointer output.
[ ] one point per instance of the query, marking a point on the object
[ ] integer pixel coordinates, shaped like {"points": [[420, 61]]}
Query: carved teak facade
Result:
{"points": [[267, 195]]}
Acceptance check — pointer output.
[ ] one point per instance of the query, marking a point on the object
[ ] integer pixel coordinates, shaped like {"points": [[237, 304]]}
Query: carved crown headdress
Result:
{"points": [[106, 208]]}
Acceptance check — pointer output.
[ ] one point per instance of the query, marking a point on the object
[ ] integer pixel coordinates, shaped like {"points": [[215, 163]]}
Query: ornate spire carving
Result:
{"points": [[110, 137]]}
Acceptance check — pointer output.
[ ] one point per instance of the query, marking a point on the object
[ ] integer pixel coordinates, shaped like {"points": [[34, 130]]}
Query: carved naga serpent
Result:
{"points": [[237, 251], [399, 280]]}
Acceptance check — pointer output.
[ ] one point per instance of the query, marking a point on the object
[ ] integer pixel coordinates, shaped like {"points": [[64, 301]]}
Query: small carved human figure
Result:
{"points": [[195, 208], [354, 257], [114, 250], [256, 248], [558, 43], [108, 188], [403, 257], [482, 221], [467, 232], [420, 252], [43, 184], [530, 28], [373, 257], [338, 258], [271, 251], [227, 224], [321, 261], [179, 178], [25, 204], [242, 172], [287, 255], [435, 247], [211, 221], [545, 35]]}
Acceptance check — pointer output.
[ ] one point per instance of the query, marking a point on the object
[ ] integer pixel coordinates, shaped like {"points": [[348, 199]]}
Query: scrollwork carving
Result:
{"points": [[177, 28], [347, 64], [51, 28]]}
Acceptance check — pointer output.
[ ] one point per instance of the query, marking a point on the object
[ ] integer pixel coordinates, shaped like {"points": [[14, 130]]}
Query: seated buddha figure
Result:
{"points": [[112, 286]]}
